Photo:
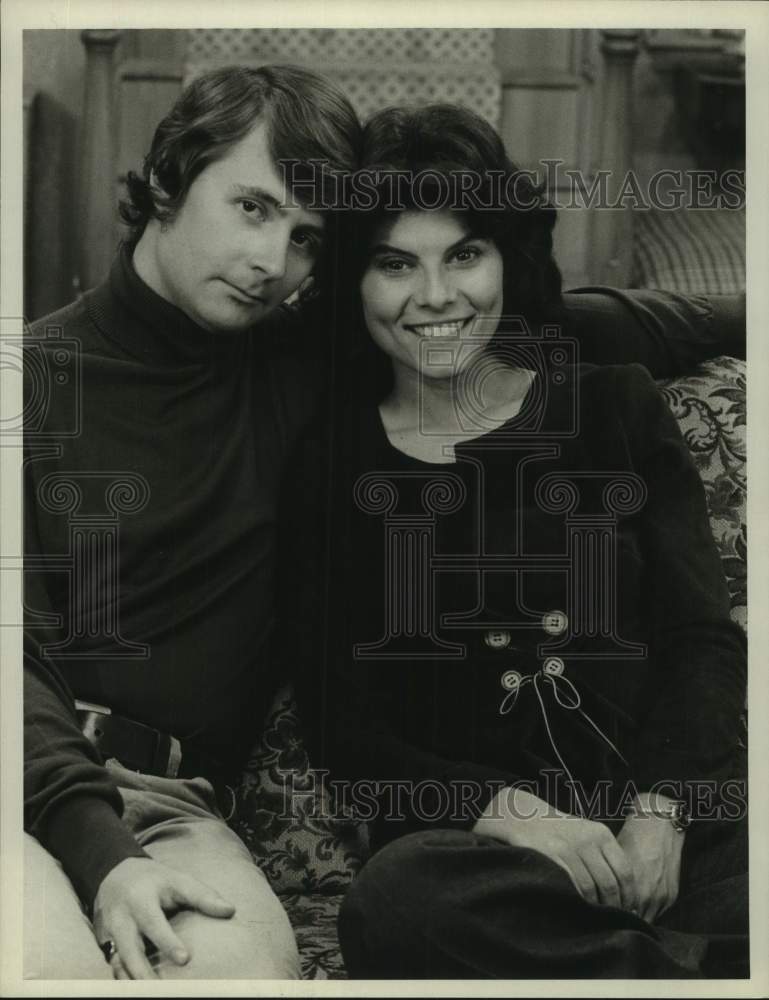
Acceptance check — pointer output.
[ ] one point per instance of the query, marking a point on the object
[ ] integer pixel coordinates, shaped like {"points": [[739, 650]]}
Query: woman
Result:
{"points": [[511, 629]]}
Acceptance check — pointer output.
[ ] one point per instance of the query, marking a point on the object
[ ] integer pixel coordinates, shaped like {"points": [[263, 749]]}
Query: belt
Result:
{"points": [[143, 748]]}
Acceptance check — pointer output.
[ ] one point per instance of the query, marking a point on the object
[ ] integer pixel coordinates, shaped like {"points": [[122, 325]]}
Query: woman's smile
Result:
{"points": [[441, 329], [429, 278]]}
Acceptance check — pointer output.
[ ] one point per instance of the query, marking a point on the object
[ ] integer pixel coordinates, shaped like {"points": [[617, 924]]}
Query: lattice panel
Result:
{"points": [[342, 44], [375, 67]]}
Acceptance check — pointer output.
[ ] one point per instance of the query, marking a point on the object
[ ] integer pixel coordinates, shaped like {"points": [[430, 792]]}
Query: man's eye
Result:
{"points": [[253, 209], [307, 242]]}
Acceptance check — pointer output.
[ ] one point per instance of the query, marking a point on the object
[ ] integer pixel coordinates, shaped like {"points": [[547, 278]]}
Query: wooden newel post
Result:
{"points": [[98, 227], [612, 229]]}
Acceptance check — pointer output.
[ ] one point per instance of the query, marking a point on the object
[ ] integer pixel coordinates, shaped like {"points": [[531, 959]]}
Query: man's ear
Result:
{"points": [[159, 195], [155, 186], [308, 285]]}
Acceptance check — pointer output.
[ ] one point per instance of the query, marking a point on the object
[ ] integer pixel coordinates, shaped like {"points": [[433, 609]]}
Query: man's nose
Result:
{"points": [[269, 254], [436, 289]]}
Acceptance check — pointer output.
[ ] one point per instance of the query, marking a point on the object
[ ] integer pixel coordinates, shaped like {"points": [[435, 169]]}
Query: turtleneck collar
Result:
{"points": [[150, 327]]}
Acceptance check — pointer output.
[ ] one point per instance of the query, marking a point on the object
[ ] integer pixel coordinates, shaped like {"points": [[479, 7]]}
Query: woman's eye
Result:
{"points": [[465, 254], [391, 265]]}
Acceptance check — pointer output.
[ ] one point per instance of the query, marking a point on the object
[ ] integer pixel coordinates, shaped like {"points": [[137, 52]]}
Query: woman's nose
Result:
{"points": [[436, 289]]}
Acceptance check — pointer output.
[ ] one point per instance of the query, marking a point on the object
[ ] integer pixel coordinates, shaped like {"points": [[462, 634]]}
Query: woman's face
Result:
{"points": [[432, 292]]}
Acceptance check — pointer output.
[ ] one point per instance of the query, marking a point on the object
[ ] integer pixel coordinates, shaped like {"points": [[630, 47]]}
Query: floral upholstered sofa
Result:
{"points": [[310, 858]]}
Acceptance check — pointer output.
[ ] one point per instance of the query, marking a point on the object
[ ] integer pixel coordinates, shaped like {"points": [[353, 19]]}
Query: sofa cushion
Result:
{"points": [[313, 918], [286, 817]]}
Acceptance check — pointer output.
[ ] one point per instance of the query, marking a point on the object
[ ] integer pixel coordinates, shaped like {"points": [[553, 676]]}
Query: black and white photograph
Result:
{"points": [[375, 436]]}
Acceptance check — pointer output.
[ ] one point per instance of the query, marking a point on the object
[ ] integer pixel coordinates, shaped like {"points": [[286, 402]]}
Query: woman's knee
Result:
{"points": [[426, 882], [425, 866], [408, 884]]}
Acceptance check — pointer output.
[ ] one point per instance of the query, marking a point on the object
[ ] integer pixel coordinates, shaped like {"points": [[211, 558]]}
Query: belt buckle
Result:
{"points": [[174, 760], [166, 751], [89, 713], [91, 706]]}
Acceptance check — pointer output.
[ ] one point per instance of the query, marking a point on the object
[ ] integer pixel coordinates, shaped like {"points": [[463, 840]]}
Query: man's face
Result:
{"points": [[239, 245]]}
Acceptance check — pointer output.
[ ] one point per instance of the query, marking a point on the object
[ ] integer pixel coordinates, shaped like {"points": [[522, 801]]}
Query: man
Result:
{"points": [[183, 404], [149, 534]]}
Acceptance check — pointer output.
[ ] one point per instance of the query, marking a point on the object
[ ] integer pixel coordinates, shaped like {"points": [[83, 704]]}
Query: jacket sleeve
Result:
{"points": [[690, 729], [71, 805], [666, 332], [361, 743]]}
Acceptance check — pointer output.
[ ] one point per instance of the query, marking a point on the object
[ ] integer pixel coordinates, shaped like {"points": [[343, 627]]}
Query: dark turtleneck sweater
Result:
{"points": [[196, 426]]}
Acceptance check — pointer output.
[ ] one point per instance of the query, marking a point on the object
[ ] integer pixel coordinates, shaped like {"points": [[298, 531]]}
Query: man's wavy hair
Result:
{"points": [[431, 144], [307, 118]]}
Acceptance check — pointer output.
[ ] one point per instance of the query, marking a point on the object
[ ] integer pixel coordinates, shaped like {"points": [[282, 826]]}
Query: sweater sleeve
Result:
{"points": [[690, 730], [71, 805], [666, 332]]}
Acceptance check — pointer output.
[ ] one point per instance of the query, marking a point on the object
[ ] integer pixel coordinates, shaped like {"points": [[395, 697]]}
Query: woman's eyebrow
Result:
{"points": [[389, 248]]}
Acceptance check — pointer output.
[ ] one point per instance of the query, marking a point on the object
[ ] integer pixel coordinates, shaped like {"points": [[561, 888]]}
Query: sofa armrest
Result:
{"points": [[710, 407]]}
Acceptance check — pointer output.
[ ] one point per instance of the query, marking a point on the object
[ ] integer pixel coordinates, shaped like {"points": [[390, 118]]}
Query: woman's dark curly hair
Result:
{"points": [[447, 156]]}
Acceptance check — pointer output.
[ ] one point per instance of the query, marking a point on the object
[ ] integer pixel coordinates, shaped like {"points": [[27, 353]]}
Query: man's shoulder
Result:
{"points": [[71, 321], [72, 314]]}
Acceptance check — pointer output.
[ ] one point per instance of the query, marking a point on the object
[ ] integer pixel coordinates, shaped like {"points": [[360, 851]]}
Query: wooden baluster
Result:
{"points": [[98, 227], [612, 229]]}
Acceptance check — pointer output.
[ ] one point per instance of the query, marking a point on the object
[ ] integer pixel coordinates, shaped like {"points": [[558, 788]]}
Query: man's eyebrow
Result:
{"points": [[250, 191], [314, 228]]}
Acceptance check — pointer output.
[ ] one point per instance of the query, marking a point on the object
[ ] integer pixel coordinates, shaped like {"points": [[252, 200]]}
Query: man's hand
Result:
{"points": [[132, 901], [653, 848], [587, 851]]}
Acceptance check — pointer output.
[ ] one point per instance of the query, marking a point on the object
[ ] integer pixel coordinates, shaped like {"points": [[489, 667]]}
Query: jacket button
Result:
{"points": [[497, 640], [510, 680], [554, 666], [554, 622]]}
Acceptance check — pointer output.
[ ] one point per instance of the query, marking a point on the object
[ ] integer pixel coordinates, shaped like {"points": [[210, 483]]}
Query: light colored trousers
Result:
{"points": [[178, 823]]}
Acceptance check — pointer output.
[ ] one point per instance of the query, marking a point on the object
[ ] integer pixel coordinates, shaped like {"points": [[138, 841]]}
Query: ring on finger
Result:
{"points": [[108, 949]]}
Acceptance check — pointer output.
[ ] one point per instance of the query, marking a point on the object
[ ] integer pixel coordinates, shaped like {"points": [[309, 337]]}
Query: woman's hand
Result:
{"points": [[587, 851], [653, 848], [132, 902]]}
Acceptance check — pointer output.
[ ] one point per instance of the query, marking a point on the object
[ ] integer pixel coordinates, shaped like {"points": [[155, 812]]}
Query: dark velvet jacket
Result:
{"points": [[419, 600]]}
